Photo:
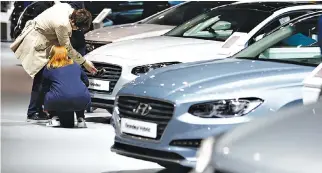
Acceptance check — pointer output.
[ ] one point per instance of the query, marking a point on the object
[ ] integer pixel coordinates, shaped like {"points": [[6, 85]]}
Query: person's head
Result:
{"points": [[81, 20], [58, 57]]}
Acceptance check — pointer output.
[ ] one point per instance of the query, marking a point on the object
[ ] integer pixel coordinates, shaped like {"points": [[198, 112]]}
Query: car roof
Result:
{"points": [[263, 6]]}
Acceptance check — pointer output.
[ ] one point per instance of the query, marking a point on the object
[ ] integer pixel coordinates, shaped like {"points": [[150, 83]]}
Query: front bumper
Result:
{"points": [[147, 154], [161, 151]]}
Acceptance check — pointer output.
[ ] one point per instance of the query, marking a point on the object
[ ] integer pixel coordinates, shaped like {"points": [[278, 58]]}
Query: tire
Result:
{"points": [[66, 119], [175, 167]]}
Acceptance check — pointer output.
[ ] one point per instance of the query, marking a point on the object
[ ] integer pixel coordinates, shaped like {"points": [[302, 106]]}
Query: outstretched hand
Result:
{"points": [[90, 67]]}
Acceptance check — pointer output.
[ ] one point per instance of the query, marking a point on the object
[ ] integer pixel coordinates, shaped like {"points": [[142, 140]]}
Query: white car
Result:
{"points": [[217, 34], [312, 86], [155, 25]]}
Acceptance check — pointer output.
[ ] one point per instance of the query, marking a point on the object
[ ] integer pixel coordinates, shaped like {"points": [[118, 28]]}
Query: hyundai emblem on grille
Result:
{"points": [[142, 109], [100, 72]]}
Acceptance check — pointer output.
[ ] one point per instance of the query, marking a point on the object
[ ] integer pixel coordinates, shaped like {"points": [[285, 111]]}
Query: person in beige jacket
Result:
{"points": [[52, 27]]}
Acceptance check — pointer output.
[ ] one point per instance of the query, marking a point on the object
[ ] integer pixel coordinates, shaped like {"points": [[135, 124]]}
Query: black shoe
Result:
{"points": [[38, 117]]}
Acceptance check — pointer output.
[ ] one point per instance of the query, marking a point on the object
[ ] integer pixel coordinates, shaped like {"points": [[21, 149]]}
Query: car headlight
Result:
{"points": [[146, 68], [225, 108]]}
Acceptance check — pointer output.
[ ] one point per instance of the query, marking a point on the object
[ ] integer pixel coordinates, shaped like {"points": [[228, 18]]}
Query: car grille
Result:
{"points": [[112, 73], [161, 112]]}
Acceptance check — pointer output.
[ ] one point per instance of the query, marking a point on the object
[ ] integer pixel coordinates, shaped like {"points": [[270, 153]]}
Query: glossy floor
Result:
{"points": [[33, 148]]}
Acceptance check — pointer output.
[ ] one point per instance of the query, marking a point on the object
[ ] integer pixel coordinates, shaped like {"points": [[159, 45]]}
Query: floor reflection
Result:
{"points": [[149, 171]]}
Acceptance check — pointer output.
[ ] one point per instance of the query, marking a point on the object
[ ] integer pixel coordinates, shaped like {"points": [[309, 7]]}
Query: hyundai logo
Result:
{"points": [[142, 109], [100, 72]]}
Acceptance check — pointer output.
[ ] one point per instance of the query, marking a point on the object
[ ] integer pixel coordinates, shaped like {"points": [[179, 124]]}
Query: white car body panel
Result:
{"points": [[112, 33], [312, 86]]}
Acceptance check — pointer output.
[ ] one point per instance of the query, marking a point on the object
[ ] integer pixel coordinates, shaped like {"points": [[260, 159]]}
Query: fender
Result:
{"points": [[292, 104]]}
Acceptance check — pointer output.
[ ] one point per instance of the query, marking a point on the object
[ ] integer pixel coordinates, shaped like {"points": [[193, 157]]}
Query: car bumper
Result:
{"points": [[164, 150]]}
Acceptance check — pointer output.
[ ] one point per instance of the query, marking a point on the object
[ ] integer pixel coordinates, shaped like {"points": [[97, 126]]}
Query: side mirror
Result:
{"points": [[221, 25], [259, 37]]}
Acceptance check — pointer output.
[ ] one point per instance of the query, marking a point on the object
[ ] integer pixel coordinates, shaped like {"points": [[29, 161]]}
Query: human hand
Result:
{"points": [[90, 67]]}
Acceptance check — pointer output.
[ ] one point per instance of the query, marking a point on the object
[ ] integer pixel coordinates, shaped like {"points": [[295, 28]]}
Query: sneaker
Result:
{"points": [[38, 117], [81, 123], [54, 122]]}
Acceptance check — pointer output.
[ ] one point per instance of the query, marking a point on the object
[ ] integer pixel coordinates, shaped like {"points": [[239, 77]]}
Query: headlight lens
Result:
{"points": [[225, 108], [146, 68]]}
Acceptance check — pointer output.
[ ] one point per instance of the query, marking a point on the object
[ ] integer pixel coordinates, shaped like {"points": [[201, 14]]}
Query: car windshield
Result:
{"points": [[219, 24], [182, 13], [294, 43]]}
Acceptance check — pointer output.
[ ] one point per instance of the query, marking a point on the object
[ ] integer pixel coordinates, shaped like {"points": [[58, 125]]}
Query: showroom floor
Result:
{"points": [[32, 148]]}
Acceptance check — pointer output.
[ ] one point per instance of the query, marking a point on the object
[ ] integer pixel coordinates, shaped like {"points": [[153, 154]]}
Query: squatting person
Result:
{"points": [[64, 89]]}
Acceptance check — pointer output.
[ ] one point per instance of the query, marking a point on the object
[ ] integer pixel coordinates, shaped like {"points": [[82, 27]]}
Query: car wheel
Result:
{"points": [[175, 167], [67, 120]]}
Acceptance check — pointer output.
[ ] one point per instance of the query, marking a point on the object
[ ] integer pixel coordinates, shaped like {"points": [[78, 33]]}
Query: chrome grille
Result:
{"points": [[161, 112], [112, 73]]}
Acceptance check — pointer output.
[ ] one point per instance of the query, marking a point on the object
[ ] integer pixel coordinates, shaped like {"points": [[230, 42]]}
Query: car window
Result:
{"points": [[177, 16], [277, 22], [220, 24], [298, 44]]}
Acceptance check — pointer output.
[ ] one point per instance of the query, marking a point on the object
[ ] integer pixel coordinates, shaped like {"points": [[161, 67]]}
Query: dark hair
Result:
{"points": [[82, 19]]}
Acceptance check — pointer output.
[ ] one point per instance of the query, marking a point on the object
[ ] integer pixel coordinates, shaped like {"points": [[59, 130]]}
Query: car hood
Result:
{"points": [[160, 49], [112, 33], [228, 76], [287, 142]]}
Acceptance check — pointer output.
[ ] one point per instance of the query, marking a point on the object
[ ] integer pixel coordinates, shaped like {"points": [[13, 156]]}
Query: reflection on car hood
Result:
{"points": [[287, 142], [161, 49], [115, 32], [226, 76]]}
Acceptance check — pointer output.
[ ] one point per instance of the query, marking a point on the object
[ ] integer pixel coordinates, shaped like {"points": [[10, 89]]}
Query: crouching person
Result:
{"points": [[64, 90]]}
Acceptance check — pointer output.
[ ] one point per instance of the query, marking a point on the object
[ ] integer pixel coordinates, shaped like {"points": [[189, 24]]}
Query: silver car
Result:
{"points": [[162, 116], [287, 142], [154, 25]]}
